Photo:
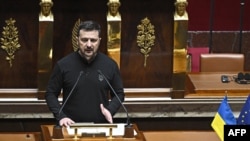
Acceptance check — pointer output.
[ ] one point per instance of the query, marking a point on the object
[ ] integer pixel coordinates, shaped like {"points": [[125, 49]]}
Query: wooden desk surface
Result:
{"points": [[209, 84]]}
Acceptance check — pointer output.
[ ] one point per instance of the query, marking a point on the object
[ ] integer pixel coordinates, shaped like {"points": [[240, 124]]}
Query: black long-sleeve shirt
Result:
{"points": [[91, 90]]}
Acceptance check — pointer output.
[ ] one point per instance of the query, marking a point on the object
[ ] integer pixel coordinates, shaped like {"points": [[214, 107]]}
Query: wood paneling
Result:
{"points": [[21, 136], [158, 71], [24, 70]]}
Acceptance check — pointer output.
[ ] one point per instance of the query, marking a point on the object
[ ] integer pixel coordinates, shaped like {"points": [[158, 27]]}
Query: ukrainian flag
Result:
{"points": [[224, 116]]}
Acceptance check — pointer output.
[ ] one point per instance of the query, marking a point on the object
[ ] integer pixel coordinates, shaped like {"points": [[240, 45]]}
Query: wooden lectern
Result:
{"points": [[47, 133]]}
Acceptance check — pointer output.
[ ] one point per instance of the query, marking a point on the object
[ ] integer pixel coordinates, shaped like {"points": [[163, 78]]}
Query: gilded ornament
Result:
{"points": [[74, 34], [9, 40], [145, 38]]}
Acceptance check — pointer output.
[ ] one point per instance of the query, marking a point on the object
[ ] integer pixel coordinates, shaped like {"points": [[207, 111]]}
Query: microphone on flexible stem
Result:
{"points": [[129, 130], [57, 130]]}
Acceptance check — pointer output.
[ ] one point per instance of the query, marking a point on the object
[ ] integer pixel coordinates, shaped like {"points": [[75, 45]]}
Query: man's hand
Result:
{"points": [[66, 122], [106, 113]]}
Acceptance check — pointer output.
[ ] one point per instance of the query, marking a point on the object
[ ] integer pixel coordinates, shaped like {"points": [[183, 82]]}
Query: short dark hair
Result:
{"points": [[89, 26]]}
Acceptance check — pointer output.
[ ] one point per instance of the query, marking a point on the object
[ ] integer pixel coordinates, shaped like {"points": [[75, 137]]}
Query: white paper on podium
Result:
{"points": [[119, 131]]}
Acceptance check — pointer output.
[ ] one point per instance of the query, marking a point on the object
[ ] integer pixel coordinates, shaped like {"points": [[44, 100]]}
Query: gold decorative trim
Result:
{"points": [[10, 40], [74, 34], [145, 38]]}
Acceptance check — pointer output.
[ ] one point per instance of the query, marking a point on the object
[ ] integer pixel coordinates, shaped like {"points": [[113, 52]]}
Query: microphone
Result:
{"points": [[129, 132], [57, 130], [70, 93]]}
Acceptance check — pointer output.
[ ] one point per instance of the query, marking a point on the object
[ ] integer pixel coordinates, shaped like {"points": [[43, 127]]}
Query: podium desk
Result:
{"points": [[208, 84], [47, 131], [20, 136]]}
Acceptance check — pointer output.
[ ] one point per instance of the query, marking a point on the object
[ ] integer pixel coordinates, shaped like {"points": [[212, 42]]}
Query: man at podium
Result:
{"points": [[81, 78]]}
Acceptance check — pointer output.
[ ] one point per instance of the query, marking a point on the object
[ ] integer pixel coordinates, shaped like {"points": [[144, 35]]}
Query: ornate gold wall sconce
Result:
{"points": [[145, 38], [9, 40]]}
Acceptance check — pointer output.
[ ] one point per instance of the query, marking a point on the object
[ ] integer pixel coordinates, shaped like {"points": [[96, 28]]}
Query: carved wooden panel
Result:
{"points": [[23, 72], [158, 71]]}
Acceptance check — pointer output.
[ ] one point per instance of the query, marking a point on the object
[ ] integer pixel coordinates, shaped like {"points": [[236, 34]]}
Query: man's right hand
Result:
{"points": [[66, 122]]}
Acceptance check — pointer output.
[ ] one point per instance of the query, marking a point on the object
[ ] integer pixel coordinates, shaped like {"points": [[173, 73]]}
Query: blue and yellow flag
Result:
{"points": [[224, 116], [244, 117]]}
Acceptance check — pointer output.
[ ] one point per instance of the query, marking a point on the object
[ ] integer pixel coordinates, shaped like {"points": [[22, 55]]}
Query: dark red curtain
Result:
{"points": [[226, 15]]}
